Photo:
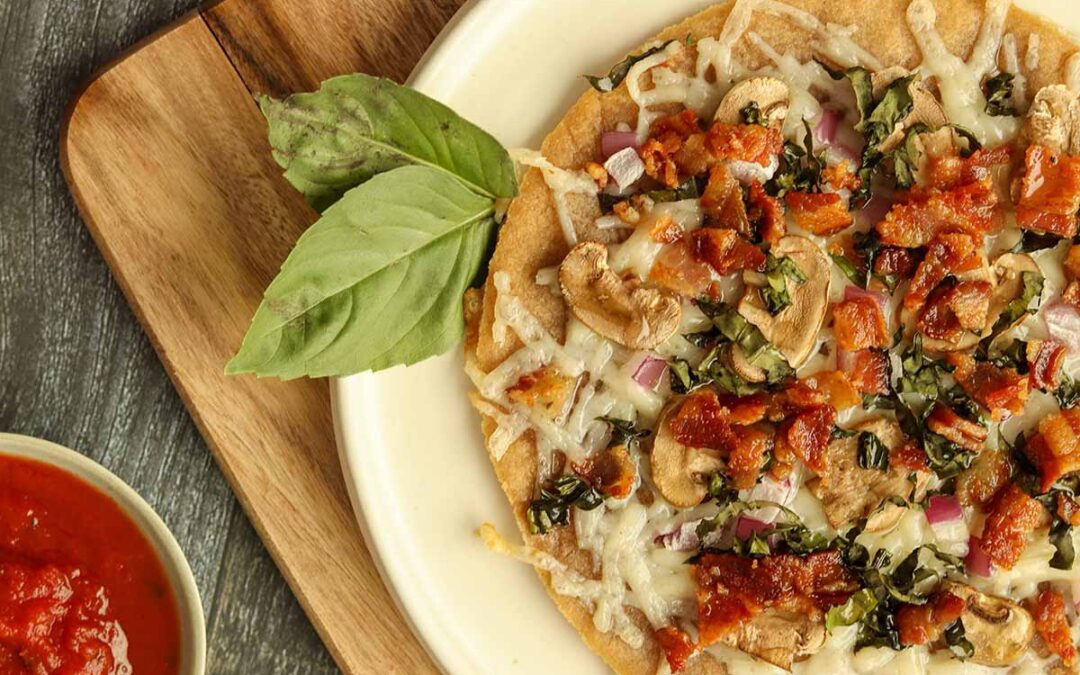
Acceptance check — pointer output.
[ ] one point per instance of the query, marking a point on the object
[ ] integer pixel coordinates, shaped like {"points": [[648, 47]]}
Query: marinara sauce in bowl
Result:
{"points": [[91, 580]]}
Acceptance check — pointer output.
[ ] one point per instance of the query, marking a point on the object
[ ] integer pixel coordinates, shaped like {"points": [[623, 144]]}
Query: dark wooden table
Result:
{"points": [[76, 368]]}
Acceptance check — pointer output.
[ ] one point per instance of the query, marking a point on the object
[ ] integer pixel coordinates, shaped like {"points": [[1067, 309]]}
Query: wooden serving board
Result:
{"points": [[165, 152]]}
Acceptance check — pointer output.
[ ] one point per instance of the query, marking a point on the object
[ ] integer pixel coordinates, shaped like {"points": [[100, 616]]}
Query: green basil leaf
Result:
{"points": [[853, 274], [376, 282], [777, 272], [861, 84], [751, 114], [1068, 394], [1062, 539], [857, 606], [621, 69], [357, 126], [552, 508], [957, 641], [623, 432], [873, 454], [999, 95]]}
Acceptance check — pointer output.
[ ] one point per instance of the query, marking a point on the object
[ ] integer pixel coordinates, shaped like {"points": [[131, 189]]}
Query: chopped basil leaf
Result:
{"points": [[1068, 394], [720, 491], [878, 402], [552, 509], [963, 405], [850, 271], [906, 156], [921, 375], [957, 641], [621, 69], [800, 167], [1035, 241], [1062, 539], [968, 135], [999, 95], [777, 272], [624, 432], [840, 432], [689, 189], [857, 606], [872, 453], [702, 339], [752, 114], [1033, 288]]}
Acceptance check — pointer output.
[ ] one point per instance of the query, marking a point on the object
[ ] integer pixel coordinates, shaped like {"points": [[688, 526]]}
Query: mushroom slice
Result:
{"points": [[1009, 269], [926, 109], [635, 316], [779, 637], [849, 492], [794, 330], [1054, 119], [999, 629], [735, 358], [681, 473], [769, 94]]}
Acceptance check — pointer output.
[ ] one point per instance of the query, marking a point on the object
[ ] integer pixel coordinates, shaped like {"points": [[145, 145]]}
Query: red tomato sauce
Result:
{"points": [[81, 590]]}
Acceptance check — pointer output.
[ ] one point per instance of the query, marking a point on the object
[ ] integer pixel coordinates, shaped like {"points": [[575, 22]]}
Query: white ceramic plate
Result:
{"points": [[410, 444]]}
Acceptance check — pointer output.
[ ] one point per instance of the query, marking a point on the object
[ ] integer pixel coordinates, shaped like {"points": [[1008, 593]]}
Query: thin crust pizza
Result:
{"points": [[775, 355]]}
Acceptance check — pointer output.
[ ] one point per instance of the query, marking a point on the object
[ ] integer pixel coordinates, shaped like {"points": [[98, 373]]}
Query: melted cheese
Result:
{"points": [[960, 82]]}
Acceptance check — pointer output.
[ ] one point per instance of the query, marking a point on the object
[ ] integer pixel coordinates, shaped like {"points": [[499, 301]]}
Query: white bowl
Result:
{"points": [[177, 570]]}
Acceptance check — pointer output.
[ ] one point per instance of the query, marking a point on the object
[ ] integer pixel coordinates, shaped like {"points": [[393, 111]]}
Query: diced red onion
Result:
{"points": [[977, 562], [682, 538], [875, 210], [747, 526], [943, 508], [1063, 322], [769, 489], [825, 130], [612, 142], [625, 167], [853, 292], [649, 371]]}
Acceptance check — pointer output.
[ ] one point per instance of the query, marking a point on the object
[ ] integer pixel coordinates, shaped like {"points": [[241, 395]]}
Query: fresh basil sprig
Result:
{"points": [[620, 70], [409, 194]]}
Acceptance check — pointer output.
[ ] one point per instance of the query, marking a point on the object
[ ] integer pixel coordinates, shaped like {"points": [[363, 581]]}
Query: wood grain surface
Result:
{"points": [[167, 158], [75, 366]]}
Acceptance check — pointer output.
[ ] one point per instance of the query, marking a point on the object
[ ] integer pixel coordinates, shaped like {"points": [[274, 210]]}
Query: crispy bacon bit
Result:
{"points": [[840, 176], [822, 213], [766, 214], [678, 270], [1072, 263], [1056, 448], [909, 456], [744, 143], [611, 471], [721, 422], [979, 484], [869, 371], [859, 323], [598, 173], [1002, 391], [693, 158], [725, 251], [667, 137], [665, 230], [546, 388], [830, 387], [806, 435], [947, 254], [973, 208], [677, 646], [626, 212], [732, 589], [1011, 517], [1068, 509], [1048, 196], [722, 202], [944, 421], [681, 126], [1048, 610], [1045, 359], [748, 456], [895, 261], [1071, 295], [950, 170], [702, 422], [923, 624], [955, 309], [658, 163]]}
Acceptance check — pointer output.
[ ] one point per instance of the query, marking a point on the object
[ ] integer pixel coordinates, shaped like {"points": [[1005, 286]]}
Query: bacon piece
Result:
{"points": [[822, 213], [748, 456], [546, 389], [702, 422], [1048, 195], [1045, 359], [665, 230], [859, 323], [869, 371], [677, 647], [1048, 610], [830, 387], [973, 208], [951, 170], [947, 254], [944, 421], [923, 624], [766, 214], [952, 310], [1071, 294], [909, 456], [895, 261], [725, 251], [744, 143], [666, 138], [677, 269], [1071, 264], [1011, 517], [979, 483], [611, 471], [693, 158], [709, 420], [806, 435], [1056, 448], [840, 176], [722, 202], [733, 589], [1002, 391]]}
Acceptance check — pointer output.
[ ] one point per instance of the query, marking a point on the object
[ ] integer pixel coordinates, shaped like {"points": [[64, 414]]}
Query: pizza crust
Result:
{"points": [[531, 238]]}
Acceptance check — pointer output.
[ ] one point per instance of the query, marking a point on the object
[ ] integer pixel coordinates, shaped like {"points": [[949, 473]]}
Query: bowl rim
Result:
{"points": [[150, 524]]}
